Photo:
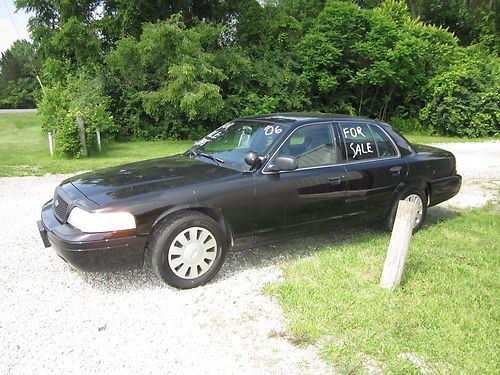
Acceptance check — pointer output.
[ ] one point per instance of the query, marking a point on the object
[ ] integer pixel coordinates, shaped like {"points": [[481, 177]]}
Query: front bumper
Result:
{"points": [[91, 251]]}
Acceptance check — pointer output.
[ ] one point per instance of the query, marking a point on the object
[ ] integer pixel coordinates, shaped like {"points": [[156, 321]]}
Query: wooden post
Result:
{"points": [[81, 132], [51, 144], [98, 136], [398, 247]]}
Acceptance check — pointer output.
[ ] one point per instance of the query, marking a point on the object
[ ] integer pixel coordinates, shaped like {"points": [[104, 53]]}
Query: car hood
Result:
{"points": [[149, 176]]}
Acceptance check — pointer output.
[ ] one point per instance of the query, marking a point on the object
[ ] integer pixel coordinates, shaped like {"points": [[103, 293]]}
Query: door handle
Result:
{"points": [[335, 180], [396, 170]]}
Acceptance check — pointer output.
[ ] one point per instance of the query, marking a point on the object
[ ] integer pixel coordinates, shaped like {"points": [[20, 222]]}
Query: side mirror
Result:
{"points": [[252, 159], [283, 163]]}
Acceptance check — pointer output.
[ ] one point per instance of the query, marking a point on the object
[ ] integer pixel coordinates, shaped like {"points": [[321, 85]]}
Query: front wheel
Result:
{"points": [[416, 196], [187, 250]]}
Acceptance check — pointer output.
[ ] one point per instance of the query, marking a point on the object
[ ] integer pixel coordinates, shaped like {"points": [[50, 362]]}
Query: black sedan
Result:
{"points": [[253, 181]]}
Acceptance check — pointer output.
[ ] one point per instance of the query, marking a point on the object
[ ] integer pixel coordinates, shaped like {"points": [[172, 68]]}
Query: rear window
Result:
{"points": [[364, 142], [385, 147], [359, 141]]}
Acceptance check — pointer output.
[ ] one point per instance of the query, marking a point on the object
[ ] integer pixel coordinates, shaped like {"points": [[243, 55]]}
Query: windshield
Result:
{"points": [[227, 145]]}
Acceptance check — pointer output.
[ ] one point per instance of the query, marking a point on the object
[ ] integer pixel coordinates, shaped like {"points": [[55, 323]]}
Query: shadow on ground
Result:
{"points": [[254, 258], [438, 214]]}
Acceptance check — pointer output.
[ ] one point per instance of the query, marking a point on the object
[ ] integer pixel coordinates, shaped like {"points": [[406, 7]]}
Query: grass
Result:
{"points": [[427, 139], [24, 150], [446, 312]]}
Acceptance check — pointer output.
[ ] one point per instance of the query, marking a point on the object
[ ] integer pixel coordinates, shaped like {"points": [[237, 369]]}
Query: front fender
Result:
{"points": [[206, 210]]}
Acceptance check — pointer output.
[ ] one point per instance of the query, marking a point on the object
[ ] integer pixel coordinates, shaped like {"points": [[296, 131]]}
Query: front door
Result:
{"points": [[308, 198]]}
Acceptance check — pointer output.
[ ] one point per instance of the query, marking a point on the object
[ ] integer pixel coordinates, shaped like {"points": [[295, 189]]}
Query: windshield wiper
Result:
{"points": [[208, 156]]}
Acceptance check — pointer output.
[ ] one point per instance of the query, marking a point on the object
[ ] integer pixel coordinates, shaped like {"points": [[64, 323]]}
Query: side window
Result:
{"points": [[312, 145], [359, 141], [384, 145]]}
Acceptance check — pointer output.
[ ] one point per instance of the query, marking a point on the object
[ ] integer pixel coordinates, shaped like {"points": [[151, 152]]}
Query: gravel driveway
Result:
{"points": [[58, 320], [479, 165]]}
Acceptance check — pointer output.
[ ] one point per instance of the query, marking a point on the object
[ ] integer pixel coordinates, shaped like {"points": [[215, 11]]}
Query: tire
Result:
{"points": [[413, 194], [187, 250]]}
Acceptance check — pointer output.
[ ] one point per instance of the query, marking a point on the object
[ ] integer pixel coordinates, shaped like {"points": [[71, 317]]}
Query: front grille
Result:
{"points": [[60, 207]]}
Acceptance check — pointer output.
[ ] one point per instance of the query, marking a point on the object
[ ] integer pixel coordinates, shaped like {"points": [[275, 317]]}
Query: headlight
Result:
{"points": [[95, 222]]}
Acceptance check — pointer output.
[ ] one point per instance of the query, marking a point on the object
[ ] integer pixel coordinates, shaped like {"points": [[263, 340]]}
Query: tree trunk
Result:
{"points": [[81, 133], [360, 102], [373, 101]]}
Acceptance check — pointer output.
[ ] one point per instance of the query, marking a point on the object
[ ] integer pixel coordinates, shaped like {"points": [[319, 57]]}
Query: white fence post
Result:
{"points": [[398, 246], [51, 144], [98, 136]]}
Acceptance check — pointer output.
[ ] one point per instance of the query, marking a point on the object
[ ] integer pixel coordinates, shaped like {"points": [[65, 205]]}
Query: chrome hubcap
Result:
{"points": [[192, 253], [414, 198]]}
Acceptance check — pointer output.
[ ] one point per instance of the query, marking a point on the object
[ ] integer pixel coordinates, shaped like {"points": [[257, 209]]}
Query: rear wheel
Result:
{"points": [[414, 195], [187, 250]]}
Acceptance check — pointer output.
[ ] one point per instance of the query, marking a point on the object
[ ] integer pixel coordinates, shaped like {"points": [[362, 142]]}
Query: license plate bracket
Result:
{"points": [[43, 234]]}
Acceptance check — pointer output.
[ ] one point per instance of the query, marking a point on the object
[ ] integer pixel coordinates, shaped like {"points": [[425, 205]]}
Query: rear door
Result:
{"points": [[374, 169]]}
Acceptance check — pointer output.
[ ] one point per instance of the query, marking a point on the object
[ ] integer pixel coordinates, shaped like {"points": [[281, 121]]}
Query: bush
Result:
{"points": [[66, 138], [406, 124], [64, 100], [466, 97]]}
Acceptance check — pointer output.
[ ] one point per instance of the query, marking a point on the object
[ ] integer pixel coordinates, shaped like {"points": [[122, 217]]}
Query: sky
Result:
{"points": [[9, 19]]}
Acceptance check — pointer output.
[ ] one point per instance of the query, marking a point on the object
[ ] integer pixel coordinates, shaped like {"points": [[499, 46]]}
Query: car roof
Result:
{"points": [[299, 118]]}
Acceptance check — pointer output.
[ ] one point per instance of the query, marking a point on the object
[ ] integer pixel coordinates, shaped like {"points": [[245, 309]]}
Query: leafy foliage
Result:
{"points": [[371, 62], [466, 98], [178, 69], [472, 21], [76, 95], [186, 83], [18, 85], [171, 84], [76, 43]]}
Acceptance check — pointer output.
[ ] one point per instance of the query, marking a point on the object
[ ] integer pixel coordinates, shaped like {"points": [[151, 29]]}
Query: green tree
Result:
{"points": [[48, 17], [371, 62], [167, 81], [472, 21], [177, 69], [77, 43], [18, 83]]}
